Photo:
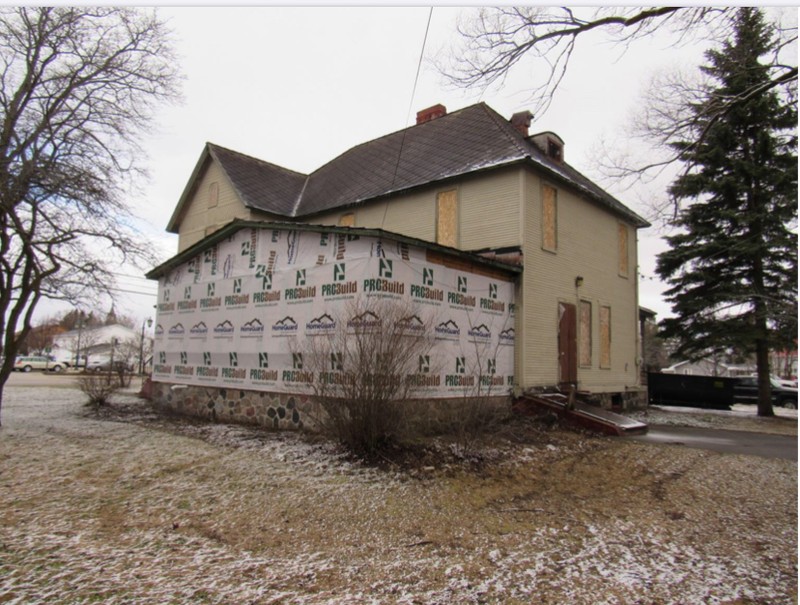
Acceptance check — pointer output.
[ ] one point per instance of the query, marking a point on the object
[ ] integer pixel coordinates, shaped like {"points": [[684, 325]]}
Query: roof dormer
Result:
{"points": [[550, 144]]}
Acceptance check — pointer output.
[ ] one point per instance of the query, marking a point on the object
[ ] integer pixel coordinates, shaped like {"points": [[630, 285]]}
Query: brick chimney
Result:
{"points": [[522, 121], [426, 115]]}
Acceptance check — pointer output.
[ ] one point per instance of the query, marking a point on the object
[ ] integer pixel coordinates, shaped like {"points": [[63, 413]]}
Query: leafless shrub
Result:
{"points": [[363, 369], [98, 388]]}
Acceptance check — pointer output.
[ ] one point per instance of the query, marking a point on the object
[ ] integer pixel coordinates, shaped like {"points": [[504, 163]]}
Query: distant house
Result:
{"points": [[473, 187], [93, 344], [710, 367]]}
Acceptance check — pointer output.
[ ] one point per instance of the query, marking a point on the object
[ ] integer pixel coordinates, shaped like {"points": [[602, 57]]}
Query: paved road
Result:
{"points": [[718, 440]]}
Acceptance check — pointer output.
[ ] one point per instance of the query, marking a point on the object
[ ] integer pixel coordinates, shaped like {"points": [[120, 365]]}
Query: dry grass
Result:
{"points": [[142, 509]]}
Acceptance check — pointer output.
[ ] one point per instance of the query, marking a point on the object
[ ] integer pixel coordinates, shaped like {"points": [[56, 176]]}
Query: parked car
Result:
{"points": [[36, 362], [104, 365], [792, 384], [746, 391]]}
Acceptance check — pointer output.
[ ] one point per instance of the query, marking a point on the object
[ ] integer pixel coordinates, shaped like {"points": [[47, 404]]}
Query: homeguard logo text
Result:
{"points": [[384, 284], [340, 285], [425, 291], [198, 330], [461, 298], [210, 302], [479, 333], [284, 327], [447, 330], [491, 303], [366, 321], [324, 324], [237, 299], [176, 331], [507, 337], [252, 329], [411, 325], [223, 330], [159, 331], [301, 292], [460, 378]]}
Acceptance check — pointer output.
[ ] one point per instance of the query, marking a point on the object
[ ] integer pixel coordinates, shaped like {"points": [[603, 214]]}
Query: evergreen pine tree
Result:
{"points": [[732, 265]]}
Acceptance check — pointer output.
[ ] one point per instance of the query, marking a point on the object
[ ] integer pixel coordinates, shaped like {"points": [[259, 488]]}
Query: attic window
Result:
{"points": [[213, 194], [555, 150]]}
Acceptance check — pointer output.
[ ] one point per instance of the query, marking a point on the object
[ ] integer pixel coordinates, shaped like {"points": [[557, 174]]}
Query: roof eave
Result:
{"points": [[237, 224]]}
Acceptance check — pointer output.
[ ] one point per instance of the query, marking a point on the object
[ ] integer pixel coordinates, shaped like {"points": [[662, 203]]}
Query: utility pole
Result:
{"points": [[149, 322]]}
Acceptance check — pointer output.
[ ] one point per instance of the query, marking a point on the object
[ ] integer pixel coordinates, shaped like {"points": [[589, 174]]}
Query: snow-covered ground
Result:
{"points": [[740, 417], [150, 511]]}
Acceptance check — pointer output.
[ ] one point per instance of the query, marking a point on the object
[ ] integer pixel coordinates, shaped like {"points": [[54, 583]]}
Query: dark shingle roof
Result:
{"points": [[456, 144], [260, 184], [462, 142]]}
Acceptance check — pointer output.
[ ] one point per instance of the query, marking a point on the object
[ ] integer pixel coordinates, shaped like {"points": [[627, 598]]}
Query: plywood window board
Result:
{"points": [[549, 218], [213, 194], [447, 218], [585, 328], [605, 337]]}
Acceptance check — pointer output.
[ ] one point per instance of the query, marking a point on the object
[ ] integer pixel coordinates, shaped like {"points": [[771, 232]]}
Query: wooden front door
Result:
{"points": [[567, 345]]}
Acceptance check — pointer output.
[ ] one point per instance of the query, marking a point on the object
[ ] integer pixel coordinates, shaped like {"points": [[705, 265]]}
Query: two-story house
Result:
{"points": [[476, 182]]}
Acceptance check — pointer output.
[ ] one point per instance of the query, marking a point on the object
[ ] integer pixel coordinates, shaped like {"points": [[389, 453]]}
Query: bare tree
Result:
{"points": [[496, 40], [78, 86], [364, 367]]}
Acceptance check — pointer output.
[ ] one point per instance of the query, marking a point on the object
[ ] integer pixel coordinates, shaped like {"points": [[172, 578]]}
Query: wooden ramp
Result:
{"points": [[587, 416]]}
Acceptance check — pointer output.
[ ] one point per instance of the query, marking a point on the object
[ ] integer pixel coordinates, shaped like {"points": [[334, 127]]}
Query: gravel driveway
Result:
{"points": [[149, 510]]}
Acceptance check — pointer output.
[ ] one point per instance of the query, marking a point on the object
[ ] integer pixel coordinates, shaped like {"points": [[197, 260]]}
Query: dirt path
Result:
{"points": [[153, 511]]}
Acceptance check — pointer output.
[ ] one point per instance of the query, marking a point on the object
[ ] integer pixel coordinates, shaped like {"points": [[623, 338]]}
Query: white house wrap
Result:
{"points": [[236, 313]]}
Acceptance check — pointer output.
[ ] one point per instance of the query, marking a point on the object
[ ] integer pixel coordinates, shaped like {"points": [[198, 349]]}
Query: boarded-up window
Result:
{"points": [[586, 333], [622, 242], [213, 194], [549, 218], [447, 218], [605, 337], [347, 220]]}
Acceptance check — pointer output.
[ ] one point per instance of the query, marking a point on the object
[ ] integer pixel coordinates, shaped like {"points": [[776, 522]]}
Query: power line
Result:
{"points": [[408, 113]]}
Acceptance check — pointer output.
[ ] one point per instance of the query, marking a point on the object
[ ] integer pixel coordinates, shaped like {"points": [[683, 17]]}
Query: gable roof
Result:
{"points": [[463, 142]]}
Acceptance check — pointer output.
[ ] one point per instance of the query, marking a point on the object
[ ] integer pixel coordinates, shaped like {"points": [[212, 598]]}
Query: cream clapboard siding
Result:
{"points": [[199, 219], [587, 247], [488, 212]]}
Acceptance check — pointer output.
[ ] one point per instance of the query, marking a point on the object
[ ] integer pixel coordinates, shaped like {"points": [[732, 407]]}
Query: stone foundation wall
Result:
{"points": [[270, 410], [629, 400], [285, 411]]}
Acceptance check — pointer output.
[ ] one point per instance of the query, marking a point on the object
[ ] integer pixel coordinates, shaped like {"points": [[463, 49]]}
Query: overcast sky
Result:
{"points": [[298, 86]]}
